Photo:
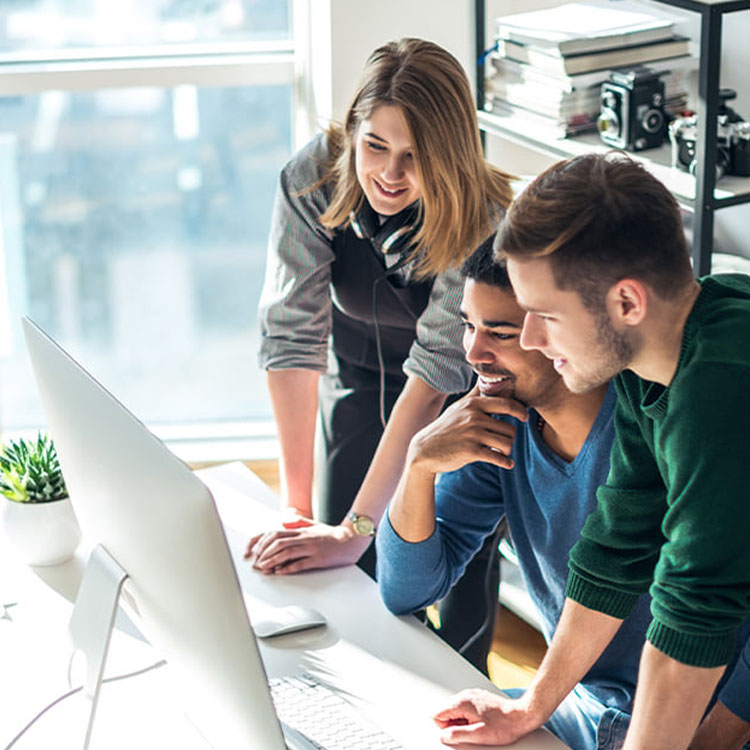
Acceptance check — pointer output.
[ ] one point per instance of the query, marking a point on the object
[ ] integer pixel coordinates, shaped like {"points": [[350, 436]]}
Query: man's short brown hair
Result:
{"points": [[600, 218]]}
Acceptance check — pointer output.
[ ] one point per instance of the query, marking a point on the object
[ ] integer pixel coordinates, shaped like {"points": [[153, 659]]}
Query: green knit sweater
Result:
{"points": [[674, 515]]}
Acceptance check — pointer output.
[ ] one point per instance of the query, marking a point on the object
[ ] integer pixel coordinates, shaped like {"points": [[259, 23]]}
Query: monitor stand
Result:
{"points": [[93, 619]]}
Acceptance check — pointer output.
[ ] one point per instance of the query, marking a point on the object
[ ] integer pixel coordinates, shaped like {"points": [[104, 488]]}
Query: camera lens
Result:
{"points": [[686, 154], [608, 122], [652, 121], [722, 162], [740, 149]]}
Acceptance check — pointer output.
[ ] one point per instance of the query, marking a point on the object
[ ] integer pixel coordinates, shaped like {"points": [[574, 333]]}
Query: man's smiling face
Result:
{"points": [[585, 348], [492, 326]]}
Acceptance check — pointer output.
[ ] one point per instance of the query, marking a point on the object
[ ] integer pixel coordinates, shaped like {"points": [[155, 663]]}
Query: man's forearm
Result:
{"points": [[670, 699], [412, 509], [581, 636]]}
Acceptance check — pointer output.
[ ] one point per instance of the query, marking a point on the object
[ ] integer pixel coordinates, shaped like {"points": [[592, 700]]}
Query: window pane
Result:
{"points": [[43, 25], [133, 227]]}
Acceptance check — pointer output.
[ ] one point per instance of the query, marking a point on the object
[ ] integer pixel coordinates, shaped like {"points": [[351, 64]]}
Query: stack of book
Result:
{"points": [[548, 66]]}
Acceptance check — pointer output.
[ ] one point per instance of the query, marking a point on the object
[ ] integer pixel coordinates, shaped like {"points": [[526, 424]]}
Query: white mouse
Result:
{"points": [[288, 620]]}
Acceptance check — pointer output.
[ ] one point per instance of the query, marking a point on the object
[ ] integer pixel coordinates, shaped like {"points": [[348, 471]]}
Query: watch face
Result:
{"points": [[363, 525]]}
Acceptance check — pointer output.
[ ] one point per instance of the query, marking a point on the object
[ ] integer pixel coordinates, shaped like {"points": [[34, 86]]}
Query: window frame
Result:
{"points": [[160, 66], [203, 64]]}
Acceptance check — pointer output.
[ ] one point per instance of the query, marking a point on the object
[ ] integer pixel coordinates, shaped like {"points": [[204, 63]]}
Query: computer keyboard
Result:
{"points": [[314, 714]]}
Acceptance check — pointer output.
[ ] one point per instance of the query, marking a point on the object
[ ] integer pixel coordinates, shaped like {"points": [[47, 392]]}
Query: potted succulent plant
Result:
{"points": [[37, 518]]}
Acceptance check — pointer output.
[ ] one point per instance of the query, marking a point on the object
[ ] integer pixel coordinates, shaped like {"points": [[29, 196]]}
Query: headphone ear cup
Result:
{"points": [[366, 223], [394, 234], [397, 232]]}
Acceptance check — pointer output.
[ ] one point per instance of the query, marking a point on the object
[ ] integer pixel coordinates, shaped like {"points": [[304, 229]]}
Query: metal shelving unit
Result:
{"points": [[700, 192]]}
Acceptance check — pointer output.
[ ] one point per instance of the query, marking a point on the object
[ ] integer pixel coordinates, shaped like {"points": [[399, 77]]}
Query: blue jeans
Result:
{"points": [[583, 723]]}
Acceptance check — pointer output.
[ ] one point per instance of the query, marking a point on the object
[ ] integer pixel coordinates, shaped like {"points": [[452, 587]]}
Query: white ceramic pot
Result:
{"points": [[40, 533]]}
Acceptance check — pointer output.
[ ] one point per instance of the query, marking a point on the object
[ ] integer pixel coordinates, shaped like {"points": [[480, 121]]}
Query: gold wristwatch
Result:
{"points": [[362, 525]]}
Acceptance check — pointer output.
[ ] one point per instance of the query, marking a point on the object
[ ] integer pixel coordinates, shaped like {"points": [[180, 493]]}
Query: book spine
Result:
{"points": [[675, 69]]}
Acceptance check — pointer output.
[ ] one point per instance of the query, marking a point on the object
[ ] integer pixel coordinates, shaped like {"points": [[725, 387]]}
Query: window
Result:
{"points": [[140, 145]]}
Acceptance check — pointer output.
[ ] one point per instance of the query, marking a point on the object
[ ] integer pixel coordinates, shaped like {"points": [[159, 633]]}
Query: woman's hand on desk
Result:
{"points": [[311, 545]]}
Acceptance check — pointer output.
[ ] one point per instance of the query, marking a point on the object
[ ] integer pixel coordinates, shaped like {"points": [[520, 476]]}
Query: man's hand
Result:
{"points": [[478, 717], [311, 545], [467, 431]]}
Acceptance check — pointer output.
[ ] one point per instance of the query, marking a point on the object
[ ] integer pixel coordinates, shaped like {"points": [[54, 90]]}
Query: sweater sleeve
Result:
{"points": [[295, 305], [437, 354], [468, 506], [701, 589], [613, 562], [701, 576]]}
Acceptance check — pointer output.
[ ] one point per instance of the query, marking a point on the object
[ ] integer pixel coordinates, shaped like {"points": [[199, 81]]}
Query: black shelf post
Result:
{"points": [[705, 146], [480, 20]]}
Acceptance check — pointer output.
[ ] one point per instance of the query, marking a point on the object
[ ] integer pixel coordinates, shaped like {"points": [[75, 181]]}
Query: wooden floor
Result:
{"points": [[517, 648]]}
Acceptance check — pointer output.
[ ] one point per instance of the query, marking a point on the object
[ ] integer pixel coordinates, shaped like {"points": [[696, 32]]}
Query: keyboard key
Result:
{"points": [[324, 718]]}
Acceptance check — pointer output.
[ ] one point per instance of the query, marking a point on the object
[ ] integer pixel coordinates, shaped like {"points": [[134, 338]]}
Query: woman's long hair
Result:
{"points": [[462, 194]]}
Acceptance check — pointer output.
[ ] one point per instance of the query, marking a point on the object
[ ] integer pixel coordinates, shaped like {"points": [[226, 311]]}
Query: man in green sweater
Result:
{"points": [[597, 257]]}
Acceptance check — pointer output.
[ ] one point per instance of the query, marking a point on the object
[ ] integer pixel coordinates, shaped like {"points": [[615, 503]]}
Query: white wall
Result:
{"points": [[733, 224], [356, 28]]}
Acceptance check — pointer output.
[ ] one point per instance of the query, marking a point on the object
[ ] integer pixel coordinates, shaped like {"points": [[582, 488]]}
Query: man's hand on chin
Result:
{"points": [[467, 431]]}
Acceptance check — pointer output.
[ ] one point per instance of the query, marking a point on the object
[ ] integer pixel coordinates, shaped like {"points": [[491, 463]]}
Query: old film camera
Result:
{"points": [[732, 136], [631, 113]]}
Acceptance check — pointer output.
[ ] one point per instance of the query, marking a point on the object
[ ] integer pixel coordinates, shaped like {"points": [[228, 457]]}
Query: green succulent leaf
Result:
{"points": [[30, 471]]}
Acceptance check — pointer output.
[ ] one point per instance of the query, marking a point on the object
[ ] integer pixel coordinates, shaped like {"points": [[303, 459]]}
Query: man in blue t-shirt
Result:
{"points": [[520, 416]]}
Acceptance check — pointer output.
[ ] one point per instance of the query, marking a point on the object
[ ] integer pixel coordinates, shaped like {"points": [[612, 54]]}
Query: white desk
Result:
{"points": [[393, 668]]}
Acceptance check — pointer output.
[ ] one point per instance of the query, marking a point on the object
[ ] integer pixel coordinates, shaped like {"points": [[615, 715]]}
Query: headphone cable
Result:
{"points": [[379, 348]]}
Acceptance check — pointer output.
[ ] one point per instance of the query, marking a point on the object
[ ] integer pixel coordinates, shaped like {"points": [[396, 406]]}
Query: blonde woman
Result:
{"points": [[359, 311]]}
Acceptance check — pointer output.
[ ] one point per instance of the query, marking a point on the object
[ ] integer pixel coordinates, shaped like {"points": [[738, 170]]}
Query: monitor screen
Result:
{"points": [[159, 522]]}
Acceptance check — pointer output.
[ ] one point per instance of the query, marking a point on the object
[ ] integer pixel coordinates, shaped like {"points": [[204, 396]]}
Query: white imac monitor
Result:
{"points": [[158, 521]]}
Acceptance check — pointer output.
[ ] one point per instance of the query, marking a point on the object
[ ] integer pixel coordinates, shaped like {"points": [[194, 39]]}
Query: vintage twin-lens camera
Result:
{"points": [[632, 110], [732, 136]]}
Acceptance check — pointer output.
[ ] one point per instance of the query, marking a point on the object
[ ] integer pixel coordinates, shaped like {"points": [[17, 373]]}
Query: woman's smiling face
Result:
{"points": [[385, 161]]}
